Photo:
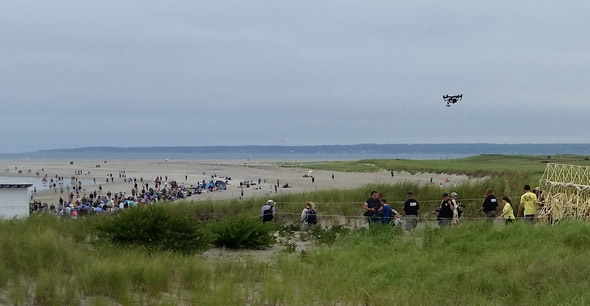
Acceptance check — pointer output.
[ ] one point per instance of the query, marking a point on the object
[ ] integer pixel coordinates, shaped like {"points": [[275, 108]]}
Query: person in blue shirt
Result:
{"points": [[386, 212]]}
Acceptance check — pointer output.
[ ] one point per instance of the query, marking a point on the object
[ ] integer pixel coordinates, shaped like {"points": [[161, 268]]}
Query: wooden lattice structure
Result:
{"points": [[566, 193]]}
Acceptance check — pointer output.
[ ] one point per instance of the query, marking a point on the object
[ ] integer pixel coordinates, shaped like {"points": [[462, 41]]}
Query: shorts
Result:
{"points": [[491, 215], [529, 218], [444, 221], [410, 222]]}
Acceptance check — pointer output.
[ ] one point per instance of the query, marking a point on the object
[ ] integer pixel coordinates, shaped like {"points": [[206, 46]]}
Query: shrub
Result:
{"points": [[154, 227], [329, 235], [243, 233], [289, 230]]}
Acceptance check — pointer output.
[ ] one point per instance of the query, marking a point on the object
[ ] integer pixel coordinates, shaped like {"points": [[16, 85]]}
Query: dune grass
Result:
{"points": [[529, 167], [49, 261], [334, 204], [473, 264]]}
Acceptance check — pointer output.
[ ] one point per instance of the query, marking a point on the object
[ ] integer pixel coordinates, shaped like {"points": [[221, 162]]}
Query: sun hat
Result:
{"points": [[454, 194]]}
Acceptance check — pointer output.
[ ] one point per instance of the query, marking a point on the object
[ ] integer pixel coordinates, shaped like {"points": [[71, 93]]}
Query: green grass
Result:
{"points": [[525, 166], [332, 205], [474, 264], [48, 261]]}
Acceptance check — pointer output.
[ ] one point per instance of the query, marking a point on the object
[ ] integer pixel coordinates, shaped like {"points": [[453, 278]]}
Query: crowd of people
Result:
{"points": [[449, 212], [78, 202]]}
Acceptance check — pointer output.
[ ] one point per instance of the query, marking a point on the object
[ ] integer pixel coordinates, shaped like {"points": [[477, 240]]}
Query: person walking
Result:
{"points": [[507, 211], [489, 206], [371, 208], [458, 208], [529, 201], [410, 212], [309, 215], [445, 213], [268, 211]]}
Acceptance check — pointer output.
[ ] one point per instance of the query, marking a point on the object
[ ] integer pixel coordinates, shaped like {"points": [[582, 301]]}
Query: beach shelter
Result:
{"points": [[221, 185], [14, 201]]}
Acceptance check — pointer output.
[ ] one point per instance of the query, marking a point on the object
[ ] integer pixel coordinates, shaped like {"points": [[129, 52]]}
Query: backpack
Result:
{"points": [[312, 217], [267, 215]]}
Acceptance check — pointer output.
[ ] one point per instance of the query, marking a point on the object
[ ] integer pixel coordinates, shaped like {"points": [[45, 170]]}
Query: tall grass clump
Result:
{"points": [[243, 233], [154, 228], [36, 244]]}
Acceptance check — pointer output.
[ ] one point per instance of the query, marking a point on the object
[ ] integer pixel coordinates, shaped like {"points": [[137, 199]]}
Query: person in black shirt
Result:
{"points": [[410, 212], [489, 205], [371, 208], [445, 213]]}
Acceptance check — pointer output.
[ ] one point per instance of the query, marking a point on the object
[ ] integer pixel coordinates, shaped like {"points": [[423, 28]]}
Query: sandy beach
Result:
{"points": [[188, 172]]}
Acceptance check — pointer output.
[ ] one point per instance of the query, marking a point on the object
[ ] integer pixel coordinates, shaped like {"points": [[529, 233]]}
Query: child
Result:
{"points": [[507, 211]]}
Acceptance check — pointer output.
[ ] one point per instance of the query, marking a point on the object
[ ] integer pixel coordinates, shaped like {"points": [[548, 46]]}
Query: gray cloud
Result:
{"points": [[267, 72]]}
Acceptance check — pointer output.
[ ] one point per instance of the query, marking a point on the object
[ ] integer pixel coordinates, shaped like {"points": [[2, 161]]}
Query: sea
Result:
{"points": [[320, 152], [237, 156], [38, 184]]}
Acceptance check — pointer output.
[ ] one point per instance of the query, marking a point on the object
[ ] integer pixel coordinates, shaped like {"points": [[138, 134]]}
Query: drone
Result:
{"points": [[452, 99]]}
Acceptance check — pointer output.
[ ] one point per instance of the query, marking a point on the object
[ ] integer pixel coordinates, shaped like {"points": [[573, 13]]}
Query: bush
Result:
{"points": [[329, 235], [154, 227], [243, 233]]}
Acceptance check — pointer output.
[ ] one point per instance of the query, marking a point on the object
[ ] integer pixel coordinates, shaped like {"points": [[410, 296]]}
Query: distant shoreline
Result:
{"points": [[323, 152], [230, 157]]}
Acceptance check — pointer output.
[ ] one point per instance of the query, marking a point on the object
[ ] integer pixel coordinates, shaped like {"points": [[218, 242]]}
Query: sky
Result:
{"points": [[198, 73]]}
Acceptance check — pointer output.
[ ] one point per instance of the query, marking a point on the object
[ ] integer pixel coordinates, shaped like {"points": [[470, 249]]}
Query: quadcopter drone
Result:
{"points": [[452, 99]]}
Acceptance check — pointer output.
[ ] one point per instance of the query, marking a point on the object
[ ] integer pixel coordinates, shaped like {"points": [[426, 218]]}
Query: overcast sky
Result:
{"points": [[169, 73]]}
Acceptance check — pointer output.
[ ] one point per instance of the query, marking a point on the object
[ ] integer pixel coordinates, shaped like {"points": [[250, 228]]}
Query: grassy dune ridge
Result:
{"points": [[525, 166], [49, 261]]}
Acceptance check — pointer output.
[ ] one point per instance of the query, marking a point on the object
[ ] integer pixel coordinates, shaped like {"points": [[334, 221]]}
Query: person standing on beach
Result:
{"points": [[529, 201], [410, 212], [371, 208], [489, 206]]}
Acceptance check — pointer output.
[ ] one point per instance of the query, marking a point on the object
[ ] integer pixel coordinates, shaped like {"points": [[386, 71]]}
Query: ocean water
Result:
{"points": [[38, 183], [230, 156]]}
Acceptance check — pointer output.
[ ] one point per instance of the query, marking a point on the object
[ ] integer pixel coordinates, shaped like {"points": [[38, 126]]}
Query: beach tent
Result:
{"points": [[221, 185]]}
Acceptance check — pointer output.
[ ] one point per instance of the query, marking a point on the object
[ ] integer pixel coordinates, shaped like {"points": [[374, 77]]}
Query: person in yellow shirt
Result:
{"points": [[507, 211], [529, 201]]}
